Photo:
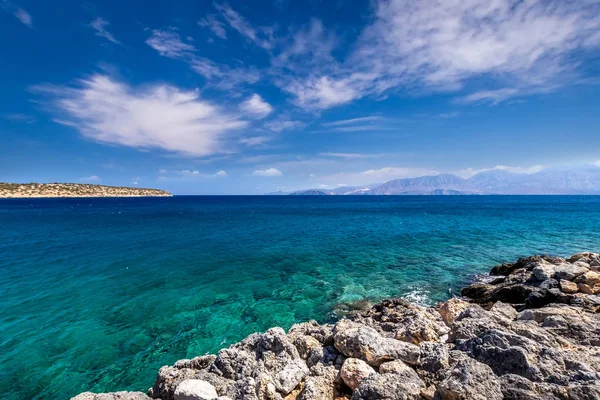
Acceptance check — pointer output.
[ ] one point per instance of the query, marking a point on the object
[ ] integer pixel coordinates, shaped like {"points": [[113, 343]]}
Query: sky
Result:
{"points": [[238, 97]]}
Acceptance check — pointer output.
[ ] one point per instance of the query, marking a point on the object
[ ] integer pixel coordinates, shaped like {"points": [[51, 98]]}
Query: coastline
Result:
{"points": [[531, 332], [73, 190]]}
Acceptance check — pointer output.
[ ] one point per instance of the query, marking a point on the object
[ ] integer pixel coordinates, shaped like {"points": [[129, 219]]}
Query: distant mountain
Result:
{"points": [[581, 179], [309, 192]]}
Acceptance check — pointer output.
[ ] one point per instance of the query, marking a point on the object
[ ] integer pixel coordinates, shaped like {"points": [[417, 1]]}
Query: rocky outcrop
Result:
{"points": [[531, 331]]}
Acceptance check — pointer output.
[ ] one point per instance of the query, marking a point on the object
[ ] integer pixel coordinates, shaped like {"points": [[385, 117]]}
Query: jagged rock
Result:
{"points": [[323, 384], [323, 333], [590, 278], [354, 370], [360, 341], [169, 378], [290, 376], [195, 389], [111, 396], [544, 270], [402, 320], [451, 309], [568, 286], [470, 380], [392, 386], [200, 362], [570, 271]]}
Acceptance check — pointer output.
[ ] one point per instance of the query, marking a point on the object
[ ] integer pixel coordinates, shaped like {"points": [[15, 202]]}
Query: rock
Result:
{"points": [[169, 378], [290, 376], [111, 396], [354, 370], [544, 271], [569, 271], [470, 380], [549, 284], [359, 341], [195, 389], [590, 278], [587, 289], [201, 362], [540, 298], [389, 387], [323, 384], [452, 309], [568, 287]]}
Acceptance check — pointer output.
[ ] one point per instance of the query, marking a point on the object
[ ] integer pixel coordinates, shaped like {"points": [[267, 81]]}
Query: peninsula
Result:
{"points": [[30, 190], [530, 330]]}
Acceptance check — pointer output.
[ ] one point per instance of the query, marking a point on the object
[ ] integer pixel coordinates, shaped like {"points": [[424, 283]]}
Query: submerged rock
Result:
{"points": [[533, 333]]}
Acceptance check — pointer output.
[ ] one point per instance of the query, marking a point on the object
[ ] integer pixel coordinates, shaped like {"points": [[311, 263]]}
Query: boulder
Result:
{"points": [[363, 342], [570, 271], [590, 278], [290, 376], [195, 389], [544, 271], [568, 287], [354, 371], [470, 380], [389, 386], [451, 309]]}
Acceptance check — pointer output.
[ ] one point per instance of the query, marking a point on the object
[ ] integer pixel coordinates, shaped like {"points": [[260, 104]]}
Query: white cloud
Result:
{"points": [[216, 26], [357, 128], [168, 43], [353, 121], [157, 116], [255, 140], [90, 179], [261, 37], [195, 174], [256, 107], [18, 12], [99, 25], [283, 125], [516, 47], [268, 172]]}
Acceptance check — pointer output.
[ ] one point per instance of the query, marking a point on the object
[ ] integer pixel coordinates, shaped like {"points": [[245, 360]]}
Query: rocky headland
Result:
{"points": [[29, 190], [530, 331]]}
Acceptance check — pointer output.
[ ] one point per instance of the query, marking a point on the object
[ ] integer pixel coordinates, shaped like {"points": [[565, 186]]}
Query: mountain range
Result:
{"points": [[582, 179]]}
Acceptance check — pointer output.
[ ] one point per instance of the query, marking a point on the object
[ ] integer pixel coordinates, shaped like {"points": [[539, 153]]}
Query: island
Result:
{"points": [[530, 330], [40, 190]]}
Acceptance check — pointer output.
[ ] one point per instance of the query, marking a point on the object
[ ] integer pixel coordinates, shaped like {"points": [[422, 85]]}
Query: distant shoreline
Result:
{"points": [[74, 190]]}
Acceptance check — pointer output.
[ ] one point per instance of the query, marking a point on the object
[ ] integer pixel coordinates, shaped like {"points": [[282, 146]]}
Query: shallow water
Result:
{"points": [[97, 294]]}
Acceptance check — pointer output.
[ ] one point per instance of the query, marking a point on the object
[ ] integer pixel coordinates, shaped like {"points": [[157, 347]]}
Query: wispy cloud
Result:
{"points": [[255, 140], [516, 47], [99, 25], [270, 172], [262, 37], [283, 125], [217, 27], [256, 107], [156, 116], [349, 155], [168, 43], [353, 121], [20, 117], [18, 12]]}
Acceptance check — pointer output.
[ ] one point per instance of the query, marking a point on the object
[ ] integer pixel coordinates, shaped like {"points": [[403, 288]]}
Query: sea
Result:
{"points": [[98, 294]]}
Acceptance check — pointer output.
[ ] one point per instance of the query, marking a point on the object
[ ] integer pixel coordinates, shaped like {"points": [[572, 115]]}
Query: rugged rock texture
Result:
{"points": [[532, 332]]}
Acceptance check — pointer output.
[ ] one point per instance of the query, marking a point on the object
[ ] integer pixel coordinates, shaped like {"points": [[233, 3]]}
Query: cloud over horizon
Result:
{"points": [[159, 116]]}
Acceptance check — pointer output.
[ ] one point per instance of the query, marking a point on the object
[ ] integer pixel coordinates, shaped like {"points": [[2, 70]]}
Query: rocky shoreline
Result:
{"points": [[531, 331]]}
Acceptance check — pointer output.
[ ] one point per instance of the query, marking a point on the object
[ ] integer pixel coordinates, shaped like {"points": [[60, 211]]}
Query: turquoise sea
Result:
{"points": [[98, 294]]}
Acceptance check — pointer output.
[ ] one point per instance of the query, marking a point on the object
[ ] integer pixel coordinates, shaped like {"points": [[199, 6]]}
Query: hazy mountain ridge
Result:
{"points": [[583, 179]]}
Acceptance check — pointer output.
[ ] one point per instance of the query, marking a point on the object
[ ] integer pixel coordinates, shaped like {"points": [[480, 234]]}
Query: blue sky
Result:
{"points": [[252, 97]]}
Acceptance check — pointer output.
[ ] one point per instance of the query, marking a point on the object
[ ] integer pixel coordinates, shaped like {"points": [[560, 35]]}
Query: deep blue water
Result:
{"points": [[97, 294]]}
